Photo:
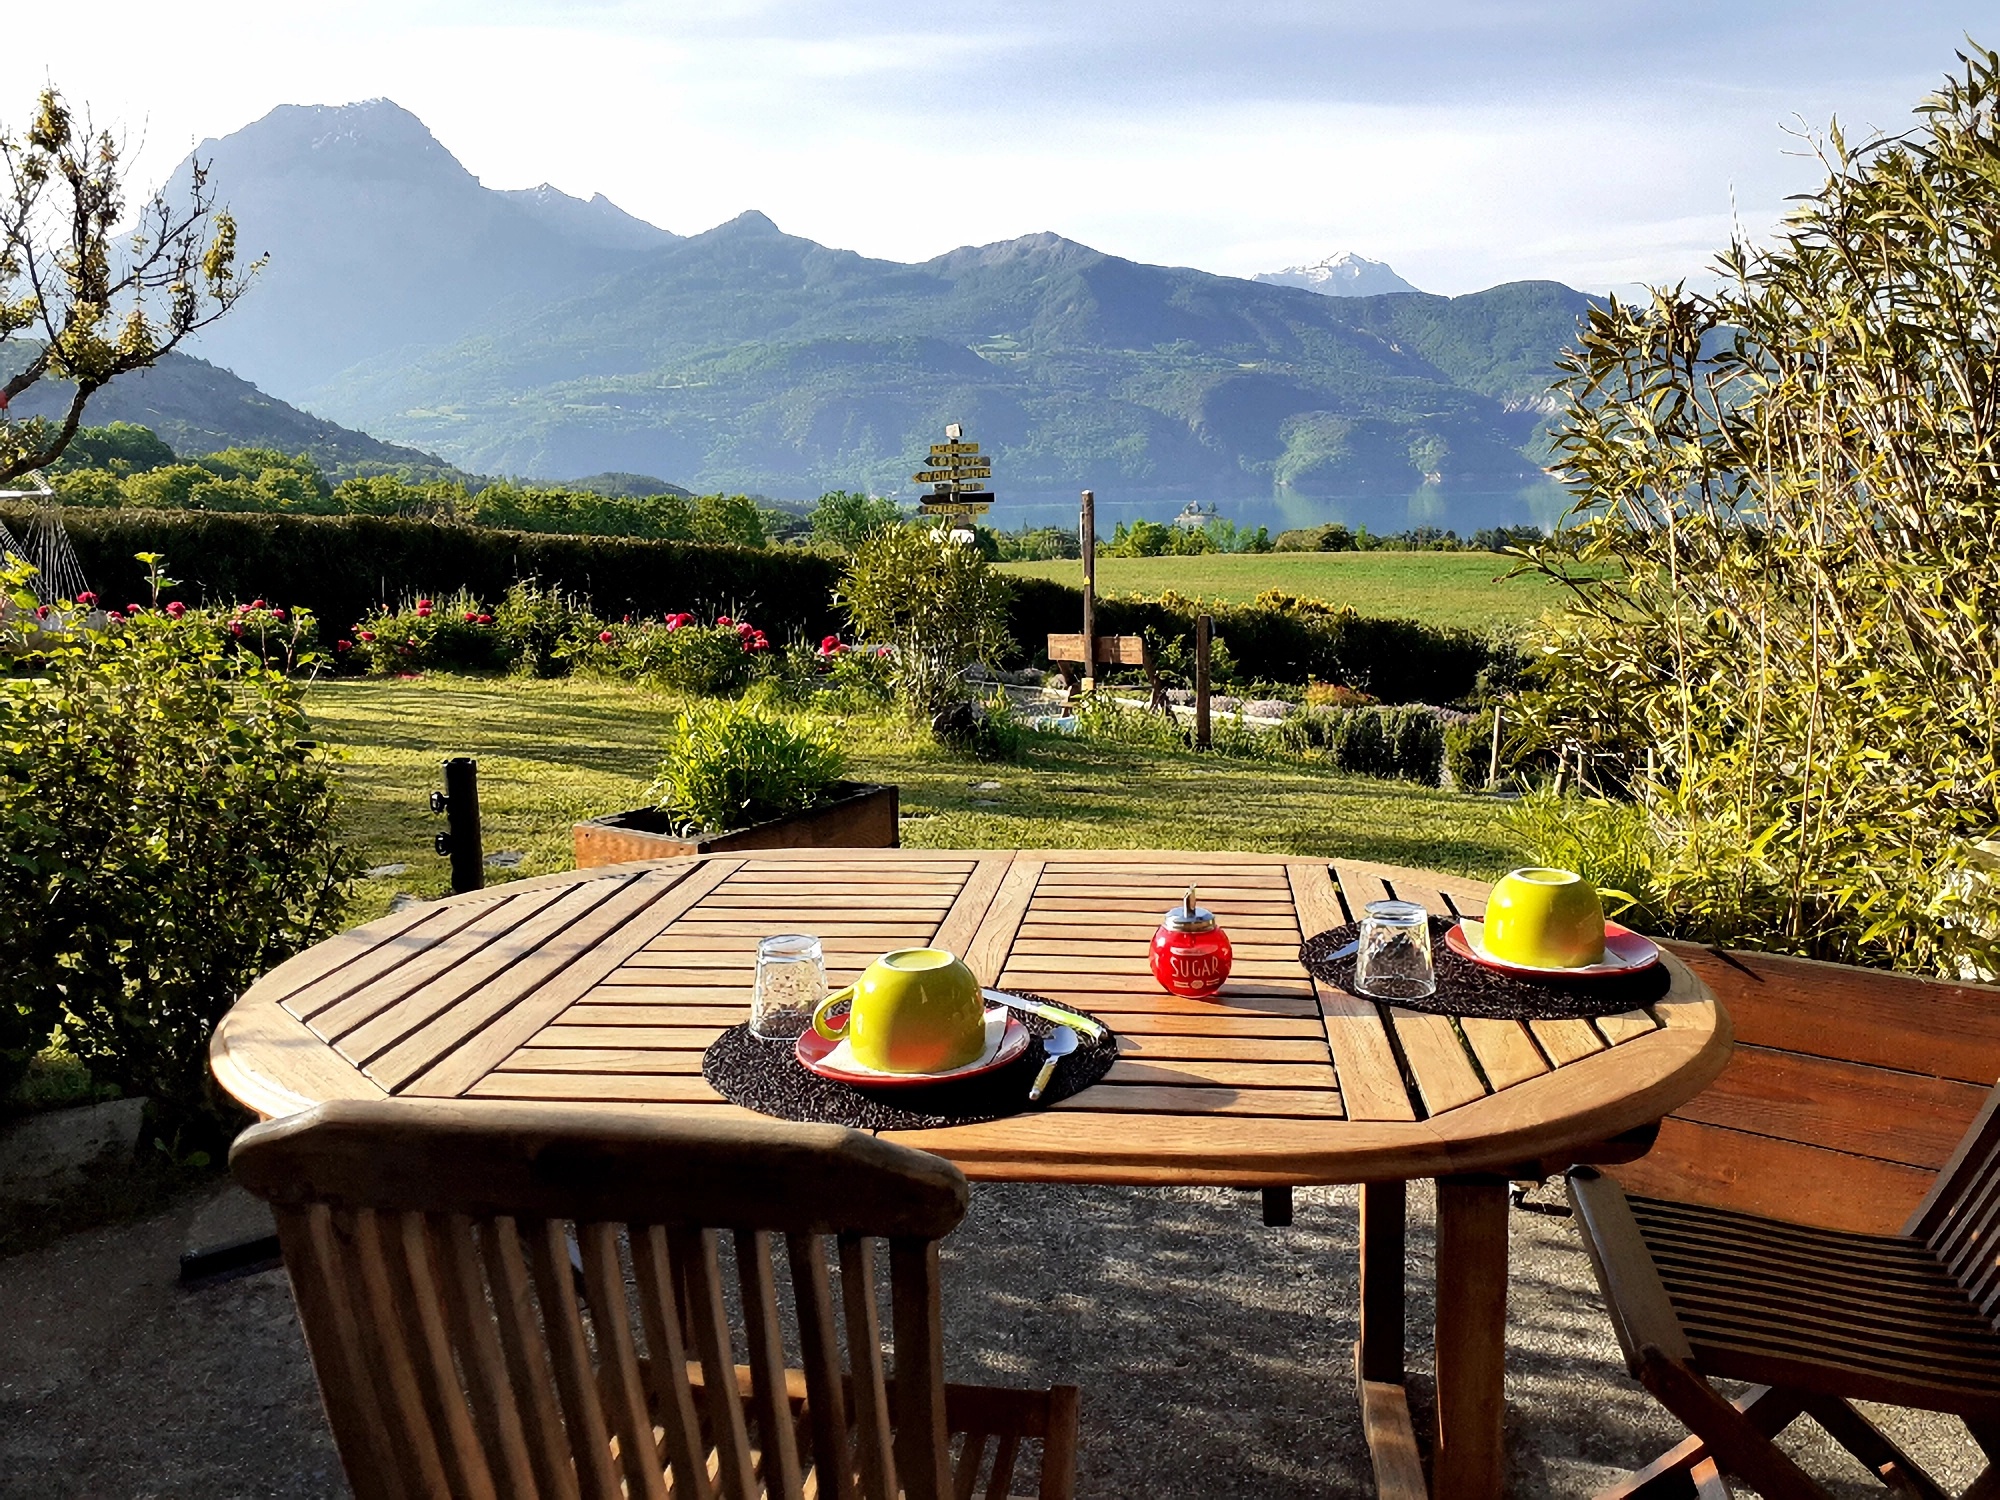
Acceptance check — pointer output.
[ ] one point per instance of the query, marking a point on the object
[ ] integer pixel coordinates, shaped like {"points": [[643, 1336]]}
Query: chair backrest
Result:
{"points": [[1960, 1217], [507, 1301]]}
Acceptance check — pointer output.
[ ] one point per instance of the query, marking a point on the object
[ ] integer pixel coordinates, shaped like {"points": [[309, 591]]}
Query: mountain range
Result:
{"points": [[534, 332]]}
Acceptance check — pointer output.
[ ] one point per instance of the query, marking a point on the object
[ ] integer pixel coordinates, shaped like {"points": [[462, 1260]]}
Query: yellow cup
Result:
{"points": [[917, 1010], [1547, 919]]}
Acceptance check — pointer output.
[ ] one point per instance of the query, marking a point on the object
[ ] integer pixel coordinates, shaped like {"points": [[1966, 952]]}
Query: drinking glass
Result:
{"points": [[1394, 959], [791, 981]]}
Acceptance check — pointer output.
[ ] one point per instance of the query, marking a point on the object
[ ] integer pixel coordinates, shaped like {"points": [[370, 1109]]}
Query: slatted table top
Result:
{"points": [[603, 988]]}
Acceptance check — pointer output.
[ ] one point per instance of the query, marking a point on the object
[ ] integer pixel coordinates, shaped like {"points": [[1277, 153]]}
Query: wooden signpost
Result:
{"points": [[957, 473], [1086, 536]]}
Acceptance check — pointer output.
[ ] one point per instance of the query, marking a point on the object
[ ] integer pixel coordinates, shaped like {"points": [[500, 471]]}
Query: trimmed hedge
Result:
{"points": [[1398, 661], [343, 567]]}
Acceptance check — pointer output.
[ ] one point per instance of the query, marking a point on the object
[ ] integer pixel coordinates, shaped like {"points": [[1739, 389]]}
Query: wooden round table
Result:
{"points": [[603, 987]]}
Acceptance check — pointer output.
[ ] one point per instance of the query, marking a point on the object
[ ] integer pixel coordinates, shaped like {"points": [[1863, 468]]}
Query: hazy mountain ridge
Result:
{"points": [[535, 332]]}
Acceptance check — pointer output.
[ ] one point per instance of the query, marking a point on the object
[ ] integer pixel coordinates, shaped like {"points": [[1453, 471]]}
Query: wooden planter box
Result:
{"points": [[860, 815]]}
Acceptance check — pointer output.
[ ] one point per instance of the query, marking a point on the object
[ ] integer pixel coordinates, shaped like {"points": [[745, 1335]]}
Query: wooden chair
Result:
{"points": [[1812, 1317], [1066, 654], [514, 1301]]}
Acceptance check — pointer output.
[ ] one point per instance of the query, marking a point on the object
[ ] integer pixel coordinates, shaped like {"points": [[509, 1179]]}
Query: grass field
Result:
{"points": [[551, 753], [1441, 588]]}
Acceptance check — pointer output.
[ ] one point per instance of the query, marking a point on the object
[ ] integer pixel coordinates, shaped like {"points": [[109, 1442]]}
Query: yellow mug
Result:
{"points": [[1547, 919], [916, 1010]]}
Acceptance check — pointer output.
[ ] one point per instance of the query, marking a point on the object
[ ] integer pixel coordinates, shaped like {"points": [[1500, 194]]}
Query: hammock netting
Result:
{"points": [[48, 550]]}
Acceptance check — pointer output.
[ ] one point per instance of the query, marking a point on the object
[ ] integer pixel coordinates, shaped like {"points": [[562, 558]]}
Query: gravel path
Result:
{"points": [[1213, 1355]]}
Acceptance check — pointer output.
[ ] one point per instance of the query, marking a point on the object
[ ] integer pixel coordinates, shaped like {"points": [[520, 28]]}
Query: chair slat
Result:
{"points": [[872, 1435], [666, 1364], [778, 1458], [324, 1292], [820, 1350], [618, 1362], [965, 1479], [694, 1252], [522, 1345], [474, 1333], [922, 1457], [406, 1240], [1003, 1467], [389, 1361], [569, 1348]]}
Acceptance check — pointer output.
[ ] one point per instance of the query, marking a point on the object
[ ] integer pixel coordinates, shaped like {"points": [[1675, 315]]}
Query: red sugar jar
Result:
{"points": [[1191, 953]]}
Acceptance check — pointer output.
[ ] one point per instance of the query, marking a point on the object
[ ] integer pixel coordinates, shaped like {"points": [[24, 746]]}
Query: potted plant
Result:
{"points": [[735, 777]]}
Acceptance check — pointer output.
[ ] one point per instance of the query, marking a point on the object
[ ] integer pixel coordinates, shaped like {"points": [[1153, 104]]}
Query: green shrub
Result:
{"points": [[166, 822], [677, 653], [1468, 752], [729, 765], [935, 601], [1416, 744], [456, 634], [537, 624]]}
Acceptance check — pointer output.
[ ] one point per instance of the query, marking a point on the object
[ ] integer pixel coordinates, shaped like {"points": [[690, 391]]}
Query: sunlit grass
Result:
{"points": [[552, 753], [1468, 589]]}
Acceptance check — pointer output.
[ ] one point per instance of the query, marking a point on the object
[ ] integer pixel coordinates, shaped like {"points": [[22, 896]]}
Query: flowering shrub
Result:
{"points": [[456, 634], [166, 824], [680, 653]]}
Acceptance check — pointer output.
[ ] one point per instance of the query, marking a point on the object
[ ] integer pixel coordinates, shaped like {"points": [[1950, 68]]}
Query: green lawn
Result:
{"points": [[1440, 588], [551, 753]]}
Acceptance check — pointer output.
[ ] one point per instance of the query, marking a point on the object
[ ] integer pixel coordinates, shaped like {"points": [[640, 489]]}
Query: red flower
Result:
{"points": [[881, 650], [675, 622], [472, 617], [483, 620], [113, 615], [277, 614], [176, 609], [366, 635], [410, 642], [423, 611], [237, 628], [830, 646], [133, 609], [724, 620], [626, 621], [86, 598], [256, 603], [343, 645], [605, 636], [41, 611], [423, 604]]}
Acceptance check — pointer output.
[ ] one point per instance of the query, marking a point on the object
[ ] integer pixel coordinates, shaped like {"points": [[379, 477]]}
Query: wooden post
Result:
{"points": [[462, 842], [1383, 1247], [1468, 1457], [1493, 761], [1204, 630], [1086, 536]]}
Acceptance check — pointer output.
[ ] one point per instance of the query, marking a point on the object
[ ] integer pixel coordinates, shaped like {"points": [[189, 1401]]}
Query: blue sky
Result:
{"points": [[1466, 143]]}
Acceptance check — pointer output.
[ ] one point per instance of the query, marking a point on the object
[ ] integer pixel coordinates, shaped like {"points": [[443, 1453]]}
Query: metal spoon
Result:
{"points": [[1057, 1045]]}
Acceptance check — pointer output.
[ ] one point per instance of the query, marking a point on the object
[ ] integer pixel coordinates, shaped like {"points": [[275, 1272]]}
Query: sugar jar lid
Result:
{"points": [[1187, 917]]}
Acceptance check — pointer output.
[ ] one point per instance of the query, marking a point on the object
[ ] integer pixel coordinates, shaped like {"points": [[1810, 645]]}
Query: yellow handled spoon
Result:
{"points": [[1057, 1045]]}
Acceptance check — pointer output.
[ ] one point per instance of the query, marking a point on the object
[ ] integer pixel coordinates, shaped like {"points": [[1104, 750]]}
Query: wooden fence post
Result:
{"points": [[1493, 761], [1204, 630], [1086, 535]]}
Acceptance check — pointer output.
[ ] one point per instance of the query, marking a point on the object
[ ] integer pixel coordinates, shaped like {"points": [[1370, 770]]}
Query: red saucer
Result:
{"points": [[1625, 952], [816, 1054]]}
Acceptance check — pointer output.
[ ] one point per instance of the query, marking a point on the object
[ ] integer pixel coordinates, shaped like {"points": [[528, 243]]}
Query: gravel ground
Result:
{"points": [[1213, 1355]]}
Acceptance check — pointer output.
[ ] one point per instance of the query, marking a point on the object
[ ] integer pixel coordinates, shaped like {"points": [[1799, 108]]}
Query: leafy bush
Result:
{"points": [[1406, 742], [935, 600], [729, 765], [1789, 662], [1468, 752], [538, 624], [844, 519], [677, 652], [457, 634], [167, 826]]}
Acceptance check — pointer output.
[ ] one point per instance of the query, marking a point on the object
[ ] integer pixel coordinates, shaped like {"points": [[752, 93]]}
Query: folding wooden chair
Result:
{"points": [[509, 1301], [1812, 1318]]}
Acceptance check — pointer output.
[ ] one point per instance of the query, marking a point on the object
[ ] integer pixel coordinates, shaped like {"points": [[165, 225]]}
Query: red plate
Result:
{"points": [[1625, 952], [1006, 1040]]}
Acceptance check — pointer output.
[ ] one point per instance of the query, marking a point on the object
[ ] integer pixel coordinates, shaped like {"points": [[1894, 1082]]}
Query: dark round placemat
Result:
{"points": [[1465, 988], [769, 1078]]}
